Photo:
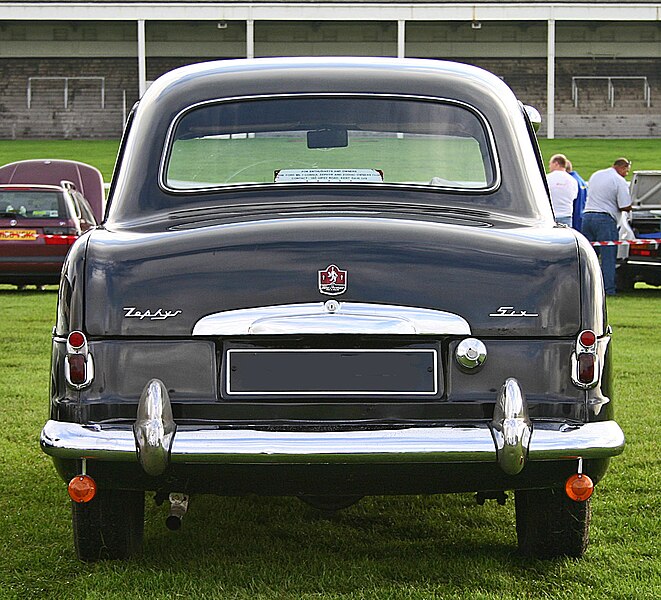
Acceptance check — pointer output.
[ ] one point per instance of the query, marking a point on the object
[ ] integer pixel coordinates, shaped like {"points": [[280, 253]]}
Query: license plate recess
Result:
{"points": [[331, 372]]}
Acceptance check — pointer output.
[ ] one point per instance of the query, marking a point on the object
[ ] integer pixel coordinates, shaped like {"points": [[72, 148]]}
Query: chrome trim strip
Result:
{"points": [[433, 377], [557, 441], [327, 318], [640, 263]]}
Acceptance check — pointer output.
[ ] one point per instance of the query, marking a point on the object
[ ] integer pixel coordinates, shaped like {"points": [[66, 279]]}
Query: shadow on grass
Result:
{"points": [[9, 290], [252, 547]]}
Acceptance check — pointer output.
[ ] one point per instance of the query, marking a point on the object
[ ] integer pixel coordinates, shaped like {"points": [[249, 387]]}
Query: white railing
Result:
{"points": [[647, 91], [65, 81]]}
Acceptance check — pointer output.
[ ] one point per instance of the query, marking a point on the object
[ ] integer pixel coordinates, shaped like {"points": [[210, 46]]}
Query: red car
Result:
{"points": [[38, 225]]}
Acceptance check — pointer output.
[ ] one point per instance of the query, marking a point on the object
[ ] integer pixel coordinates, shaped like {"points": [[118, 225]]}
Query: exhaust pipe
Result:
{"points": [[178, 508]]}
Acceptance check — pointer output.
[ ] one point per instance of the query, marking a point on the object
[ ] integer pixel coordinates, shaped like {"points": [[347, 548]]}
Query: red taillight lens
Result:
{"points": [[82, 488], [633, 251], [586, 364], [76, 340], [60, 240], [60, 236], [587, 338], [77, 368]]}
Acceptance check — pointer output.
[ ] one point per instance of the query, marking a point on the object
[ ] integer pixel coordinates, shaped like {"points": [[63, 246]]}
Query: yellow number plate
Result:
{"points": [[18, 235]]}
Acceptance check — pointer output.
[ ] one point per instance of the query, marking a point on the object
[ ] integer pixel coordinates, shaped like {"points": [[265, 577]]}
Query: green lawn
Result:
{"points": [[382, 548], [99, 153], [587, 155]]}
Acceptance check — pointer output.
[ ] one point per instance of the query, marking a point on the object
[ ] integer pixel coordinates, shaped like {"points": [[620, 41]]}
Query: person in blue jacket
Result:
{"points": [[581, 197]]}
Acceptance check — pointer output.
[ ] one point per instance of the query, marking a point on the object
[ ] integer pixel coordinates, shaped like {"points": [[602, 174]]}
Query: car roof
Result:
{"points": [[31, 187]]}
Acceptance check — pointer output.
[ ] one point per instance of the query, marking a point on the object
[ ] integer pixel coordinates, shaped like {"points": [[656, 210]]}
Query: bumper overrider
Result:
{"points": [[509, 439]]}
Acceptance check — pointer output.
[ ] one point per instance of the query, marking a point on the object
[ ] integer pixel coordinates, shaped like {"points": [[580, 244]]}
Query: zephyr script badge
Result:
{"points": [[131, 312], [332, 281]]}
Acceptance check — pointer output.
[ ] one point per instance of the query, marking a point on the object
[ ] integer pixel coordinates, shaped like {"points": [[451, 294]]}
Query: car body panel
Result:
{"points": [[281, 257]]}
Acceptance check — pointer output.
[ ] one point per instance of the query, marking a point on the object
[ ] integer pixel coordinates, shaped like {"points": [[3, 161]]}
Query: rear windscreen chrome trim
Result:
{"points": [[165, 154]]}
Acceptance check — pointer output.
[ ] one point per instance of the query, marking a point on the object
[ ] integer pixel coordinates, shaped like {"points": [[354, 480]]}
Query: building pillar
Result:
{"points": [[401, 39], [142, 58], [550, 81], [250, 38]]}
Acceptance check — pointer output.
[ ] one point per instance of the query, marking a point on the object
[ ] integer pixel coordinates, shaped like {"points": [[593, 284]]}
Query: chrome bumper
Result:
{"points": [[428, 444], [509, 440]]}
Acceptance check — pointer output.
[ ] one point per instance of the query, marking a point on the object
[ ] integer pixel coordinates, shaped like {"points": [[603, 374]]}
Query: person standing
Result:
{"points": [[563, 188], [608, 196], [581, 197]]}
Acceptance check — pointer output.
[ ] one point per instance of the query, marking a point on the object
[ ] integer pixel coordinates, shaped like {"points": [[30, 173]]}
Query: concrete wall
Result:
{"points": [[514, 51]]}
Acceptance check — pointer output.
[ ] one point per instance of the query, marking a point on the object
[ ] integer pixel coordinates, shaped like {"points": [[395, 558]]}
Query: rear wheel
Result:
{"points": [[549, 524], [110, 526]]}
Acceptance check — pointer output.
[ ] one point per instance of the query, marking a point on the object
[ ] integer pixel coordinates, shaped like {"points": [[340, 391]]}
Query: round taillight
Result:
{"points": [[587, 338], [579, 487], [82, 488], [76, 339]]}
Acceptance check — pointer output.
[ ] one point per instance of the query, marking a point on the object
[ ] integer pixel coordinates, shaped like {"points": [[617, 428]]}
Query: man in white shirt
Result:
{"points": [[608, 196], [563, 188]]}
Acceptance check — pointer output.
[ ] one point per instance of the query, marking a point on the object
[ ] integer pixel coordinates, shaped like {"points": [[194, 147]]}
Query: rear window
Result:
{"points": [[330, 140], [32, 204]]}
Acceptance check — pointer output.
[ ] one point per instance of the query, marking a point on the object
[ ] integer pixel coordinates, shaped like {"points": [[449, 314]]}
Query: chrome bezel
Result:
{"points": [[574, 371], [433, 377], [470, 353], [89, 371], [82, 350], [580, 348]]}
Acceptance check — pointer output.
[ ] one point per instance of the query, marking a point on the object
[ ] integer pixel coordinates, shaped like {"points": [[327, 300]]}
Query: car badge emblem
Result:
{"points": [[332, 281], [510, 311], [131, 312]]}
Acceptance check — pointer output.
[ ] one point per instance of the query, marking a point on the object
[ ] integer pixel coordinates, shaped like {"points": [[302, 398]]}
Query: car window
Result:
{"points": [[355, 140], [32, 204], [84, 208]]}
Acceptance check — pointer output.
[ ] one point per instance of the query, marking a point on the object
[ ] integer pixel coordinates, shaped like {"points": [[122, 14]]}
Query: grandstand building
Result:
{"points": [[73, 68]]}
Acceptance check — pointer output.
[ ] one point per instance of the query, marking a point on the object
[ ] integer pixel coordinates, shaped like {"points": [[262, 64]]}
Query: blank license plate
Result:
{"points": [[410, 371]]}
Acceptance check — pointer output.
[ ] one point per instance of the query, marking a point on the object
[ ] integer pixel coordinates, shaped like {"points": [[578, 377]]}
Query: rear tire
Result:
{"points": [[110, 526], [549, 524]]}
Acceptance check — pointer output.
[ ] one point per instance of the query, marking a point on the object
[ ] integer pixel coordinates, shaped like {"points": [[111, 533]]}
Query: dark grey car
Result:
{"points": [[330, 278]]}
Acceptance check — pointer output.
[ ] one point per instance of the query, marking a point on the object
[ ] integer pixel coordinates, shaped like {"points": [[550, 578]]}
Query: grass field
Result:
{"points": [[440, 547], [382, 548], [587, 155]]}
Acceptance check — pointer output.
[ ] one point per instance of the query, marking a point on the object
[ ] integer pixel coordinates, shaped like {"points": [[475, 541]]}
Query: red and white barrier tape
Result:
{"points": [[641, 242]]}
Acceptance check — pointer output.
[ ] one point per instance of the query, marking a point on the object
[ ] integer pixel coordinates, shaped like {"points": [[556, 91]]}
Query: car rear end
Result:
{"points": [[38, 225], [640, 259], [258, 317]]}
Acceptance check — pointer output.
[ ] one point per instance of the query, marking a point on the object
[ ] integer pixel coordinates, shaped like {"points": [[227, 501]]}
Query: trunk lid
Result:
{"points": [[504, 280]]}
